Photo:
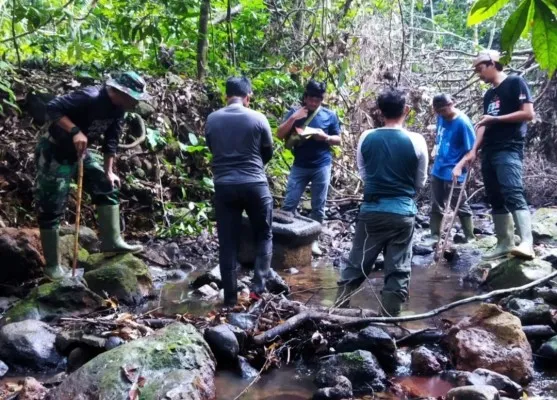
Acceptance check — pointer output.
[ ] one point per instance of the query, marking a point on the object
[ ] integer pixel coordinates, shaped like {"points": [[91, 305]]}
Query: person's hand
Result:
{"points": [[300, 114], [80, 143], [321, 137], [113, 179], [485, 121], [457, 172]]}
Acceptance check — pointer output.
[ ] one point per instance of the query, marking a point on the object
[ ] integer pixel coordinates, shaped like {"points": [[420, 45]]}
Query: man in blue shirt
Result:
{"points": [[393, 165], [455, 138], [312, 156]]}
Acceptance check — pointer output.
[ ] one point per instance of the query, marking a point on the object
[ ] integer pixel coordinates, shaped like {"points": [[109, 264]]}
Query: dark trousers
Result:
{"points": [[378, 232], [230, 203], [502, 173], [440, 190]]}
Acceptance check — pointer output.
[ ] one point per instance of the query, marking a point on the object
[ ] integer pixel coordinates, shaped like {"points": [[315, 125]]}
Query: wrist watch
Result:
{"points": [[75, 130]]}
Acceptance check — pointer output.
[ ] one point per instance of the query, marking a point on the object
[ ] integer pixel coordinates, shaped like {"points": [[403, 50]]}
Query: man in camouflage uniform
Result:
{"points": [[78, 118]]}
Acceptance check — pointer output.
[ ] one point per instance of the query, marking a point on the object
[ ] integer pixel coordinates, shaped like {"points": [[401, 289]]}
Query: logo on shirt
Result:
{"points": [[494, 107], [522, 97]]}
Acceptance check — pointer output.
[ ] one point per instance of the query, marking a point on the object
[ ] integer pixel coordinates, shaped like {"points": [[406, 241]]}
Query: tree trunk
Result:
{"points": [[202, 40]]}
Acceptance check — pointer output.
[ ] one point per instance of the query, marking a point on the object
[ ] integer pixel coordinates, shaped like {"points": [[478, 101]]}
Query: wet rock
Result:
{"points": [[477, 274], [175, 361], [176, 275], [172, 251], [530, 312], [66, 247], [223, 343], [144, 109], [3, 369], [457, 378], [374, 340], [29, 345], [135, 265], [68, 297], [426, 362], [245, 369], [494, 340], [20, 252], [544, 225], [341, 390], [551, 257], [459, 238], [116, 281], [242, 320], [548, 294], [67, 340], [420, 250], [473, 393], [94, 341], [79, 357], [514, 272], [88, 239], [207, 278], [112, 342], [7, 302], [275, 283], [502, 383], [32, 390], [206, 292], [548, 351], [360, 367]]}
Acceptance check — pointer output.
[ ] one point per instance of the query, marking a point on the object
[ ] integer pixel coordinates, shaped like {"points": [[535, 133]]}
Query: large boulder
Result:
{"points": [[88, 239], [68, 297], [426, 362], [544, 225], [124, 277], [223, 343], [21, 255], [502, 383], [492, 339], [29, 345], [174, 363], [66, 248], [483, 392], [514, 272], [372, 339], [530, 312], [360, 367]]}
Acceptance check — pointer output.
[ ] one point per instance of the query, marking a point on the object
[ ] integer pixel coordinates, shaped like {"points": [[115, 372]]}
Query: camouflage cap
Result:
{"points": [[130, 83]]}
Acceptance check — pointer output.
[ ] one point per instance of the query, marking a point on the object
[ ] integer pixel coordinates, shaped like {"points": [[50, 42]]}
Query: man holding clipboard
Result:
{"points": [[309, 132]]}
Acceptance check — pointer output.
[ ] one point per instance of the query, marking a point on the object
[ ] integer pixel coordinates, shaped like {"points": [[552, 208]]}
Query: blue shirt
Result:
{"points": [[313, 153], [393, 165], [454, 139]]}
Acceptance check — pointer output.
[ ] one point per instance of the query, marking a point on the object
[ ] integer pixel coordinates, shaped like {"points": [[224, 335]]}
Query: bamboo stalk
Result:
{"points": [[77, 214]]}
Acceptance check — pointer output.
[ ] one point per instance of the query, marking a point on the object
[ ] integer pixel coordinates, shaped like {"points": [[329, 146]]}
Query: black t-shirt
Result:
{"points": [[505, 99]]}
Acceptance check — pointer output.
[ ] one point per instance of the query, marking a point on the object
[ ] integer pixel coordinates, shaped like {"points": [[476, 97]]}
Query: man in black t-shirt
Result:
{"points": [[500, 133]]}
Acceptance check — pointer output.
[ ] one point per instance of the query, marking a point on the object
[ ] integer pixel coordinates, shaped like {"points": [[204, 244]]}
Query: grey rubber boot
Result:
{"points": [[468, 228], [504, 230], [109, 232], [523, 222], [50, 240]]}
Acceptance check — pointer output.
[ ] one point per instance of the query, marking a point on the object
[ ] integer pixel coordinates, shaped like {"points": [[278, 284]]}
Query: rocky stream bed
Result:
{"points": [[150, 327]]}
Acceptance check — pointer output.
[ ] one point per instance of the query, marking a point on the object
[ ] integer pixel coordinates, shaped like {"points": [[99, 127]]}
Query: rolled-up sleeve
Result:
{"points": [[420, 147], [112, 137], [67, 104]]}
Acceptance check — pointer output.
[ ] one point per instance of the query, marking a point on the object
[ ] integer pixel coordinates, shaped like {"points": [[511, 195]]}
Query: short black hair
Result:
{"points": [[498, 66], [391, 102], [238, 86], [442, 100], [315, 89]]}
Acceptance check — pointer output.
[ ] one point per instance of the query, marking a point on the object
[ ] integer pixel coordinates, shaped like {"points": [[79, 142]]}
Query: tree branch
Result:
{"points": [[224, 16]]}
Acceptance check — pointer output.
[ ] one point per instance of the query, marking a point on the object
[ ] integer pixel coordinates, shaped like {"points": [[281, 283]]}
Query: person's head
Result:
{"points": [[392, 104], [488, 65], [443, 105], [314, 94], [126, 90], [238, 87]]}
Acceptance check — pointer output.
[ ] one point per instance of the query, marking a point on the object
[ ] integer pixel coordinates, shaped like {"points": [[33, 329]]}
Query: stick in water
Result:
{"points": [[77, 214]]}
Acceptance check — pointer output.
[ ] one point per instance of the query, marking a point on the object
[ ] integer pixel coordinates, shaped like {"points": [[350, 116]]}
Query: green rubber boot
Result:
{"points": [[468, 228], [504, 230], [109, 232], [523, 222], [344, 293], [392, 304], [434, 229], [50, 240]]}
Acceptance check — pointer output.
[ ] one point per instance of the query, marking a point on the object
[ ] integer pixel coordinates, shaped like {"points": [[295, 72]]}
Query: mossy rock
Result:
{"points": [[116, 281], [544, 225], [66, 253], [514, 272], [134, 264], [175, 361], [64, 298]]}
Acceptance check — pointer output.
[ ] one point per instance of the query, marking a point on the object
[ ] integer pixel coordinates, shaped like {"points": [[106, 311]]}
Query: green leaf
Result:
{"points": [[484, 9], [544, 37], [516, 25], [193, 139], [552, 4]]}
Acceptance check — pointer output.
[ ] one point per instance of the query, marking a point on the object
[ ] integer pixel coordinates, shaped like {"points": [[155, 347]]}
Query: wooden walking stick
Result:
{"points": [[444, 236], [77, 213]]}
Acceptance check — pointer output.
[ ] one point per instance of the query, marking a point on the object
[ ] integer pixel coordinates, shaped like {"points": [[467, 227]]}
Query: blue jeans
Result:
{"points": [[502, 173], [297, 183]]}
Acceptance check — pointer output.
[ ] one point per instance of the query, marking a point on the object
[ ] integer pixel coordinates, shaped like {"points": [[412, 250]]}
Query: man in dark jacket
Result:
{"points": [[241, 143], [78, 119]]}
